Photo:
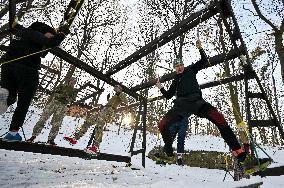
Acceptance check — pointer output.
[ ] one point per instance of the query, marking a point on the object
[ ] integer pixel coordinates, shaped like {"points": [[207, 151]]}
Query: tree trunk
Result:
{"points": [[280, 50]]}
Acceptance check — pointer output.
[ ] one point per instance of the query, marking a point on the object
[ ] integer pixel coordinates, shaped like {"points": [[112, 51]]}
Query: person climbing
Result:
{"points": [[62, 96], [189, 101], [106, 115], [19, 70]]}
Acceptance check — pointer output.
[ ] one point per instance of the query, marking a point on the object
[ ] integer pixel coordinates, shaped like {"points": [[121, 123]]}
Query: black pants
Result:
{"points": [[206, 111], [21, 81]]}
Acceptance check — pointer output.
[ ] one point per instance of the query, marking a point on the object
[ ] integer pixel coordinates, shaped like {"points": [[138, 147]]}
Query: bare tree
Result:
{"points": [[263, 11]]}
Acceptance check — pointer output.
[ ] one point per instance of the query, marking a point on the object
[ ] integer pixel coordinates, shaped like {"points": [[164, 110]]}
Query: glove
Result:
{"points": [[64, 29]]}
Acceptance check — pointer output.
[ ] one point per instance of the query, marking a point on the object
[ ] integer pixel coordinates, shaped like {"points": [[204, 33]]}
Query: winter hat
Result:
{"points": [[73, 78], [42, 27], [177, 61], [119, 88]]}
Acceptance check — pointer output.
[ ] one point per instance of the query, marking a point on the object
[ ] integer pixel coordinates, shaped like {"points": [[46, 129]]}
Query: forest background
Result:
{"points": [[107, 31]]}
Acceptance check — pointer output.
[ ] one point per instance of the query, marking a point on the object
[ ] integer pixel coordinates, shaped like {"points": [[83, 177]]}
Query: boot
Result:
{"points": [[92, 150], [179, 159], [51, 142], [169, 151], [251, 164], [72, 141], [12, 137], [31, 139]]}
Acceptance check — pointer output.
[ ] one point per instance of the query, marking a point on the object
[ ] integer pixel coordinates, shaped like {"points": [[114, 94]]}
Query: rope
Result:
{"points": [[22, 57], [15, 22]]}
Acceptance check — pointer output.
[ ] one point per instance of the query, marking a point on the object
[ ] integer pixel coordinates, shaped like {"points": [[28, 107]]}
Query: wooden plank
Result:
{"points": [[275, 171], [56, 150]]}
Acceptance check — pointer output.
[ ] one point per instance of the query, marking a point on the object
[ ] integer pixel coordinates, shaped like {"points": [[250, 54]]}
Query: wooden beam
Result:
{"points": [[275, 171], [91, 70], [169, 35], [234, 53], [56, 150]]}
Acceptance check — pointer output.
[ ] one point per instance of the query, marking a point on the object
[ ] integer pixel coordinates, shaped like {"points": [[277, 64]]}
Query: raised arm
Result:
{"points": [[203, 61], [170, 93]]}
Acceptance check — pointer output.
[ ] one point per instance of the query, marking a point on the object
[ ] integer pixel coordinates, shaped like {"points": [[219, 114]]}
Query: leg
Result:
{"points": [[249, 164], [104, 117], [80, 131], [170, 118], [182, 134], [28, 82], [47, 112], [56, 121], [211, 113], [9, 81]]}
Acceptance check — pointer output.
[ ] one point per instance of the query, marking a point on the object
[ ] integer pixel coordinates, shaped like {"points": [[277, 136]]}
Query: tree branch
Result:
{"points": [[261, 16]]}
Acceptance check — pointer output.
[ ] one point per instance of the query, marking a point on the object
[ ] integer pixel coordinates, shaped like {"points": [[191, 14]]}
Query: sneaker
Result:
{"points": [[12, 138], [31, 139], [252, 164], [93, 150], [51, 142], [71, 140], [179, 159], [3, 100]]}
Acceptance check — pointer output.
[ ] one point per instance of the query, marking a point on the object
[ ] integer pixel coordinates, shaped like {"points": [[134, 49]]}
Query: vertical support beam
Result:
{"points": [[72, 11], [247, 103], [247, 65], [12, 14], [144, 121]]}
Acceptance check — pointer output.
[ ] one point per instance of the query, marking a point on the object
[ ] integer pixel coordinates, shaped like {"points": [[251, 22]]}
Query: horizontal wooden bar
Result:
{"points": [[56, 150], [262, 123], [192, 21], [234, 53], [91, 70]]}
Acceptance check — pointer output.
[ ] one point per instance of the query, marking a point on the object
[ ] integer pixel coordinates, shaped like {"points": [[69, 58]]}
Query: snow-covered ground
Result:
{"points": [[23, 169]]}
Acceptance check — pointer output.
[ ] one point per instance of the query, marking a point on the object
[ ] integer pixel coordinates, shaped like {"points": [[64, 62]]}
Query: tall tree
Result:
{"points": [[271, 12]]}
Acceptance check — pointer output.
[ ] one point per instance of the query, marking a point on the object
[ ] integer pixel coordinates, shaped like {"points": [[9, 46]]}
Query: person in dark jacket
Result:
{"points": [[189, 101], [20, 77]]}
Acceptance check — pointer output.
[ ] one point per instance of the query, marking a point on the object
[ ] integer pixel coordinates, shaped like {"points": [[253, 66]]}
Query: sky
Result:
{"points": [[20, 169], [25, 169]]}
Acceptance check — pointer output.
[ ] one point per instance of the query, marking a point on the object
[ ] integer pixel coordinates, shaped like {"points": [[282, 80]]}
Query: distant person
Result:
{"points": [[106, 115], [20, 77], [180, 128], [63, 95]]}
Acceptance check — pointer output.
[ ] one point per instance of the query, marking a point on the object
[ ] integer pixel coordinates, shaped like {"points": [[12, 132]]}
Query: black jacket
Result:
{"points": [[185, 85], [28, 41]]}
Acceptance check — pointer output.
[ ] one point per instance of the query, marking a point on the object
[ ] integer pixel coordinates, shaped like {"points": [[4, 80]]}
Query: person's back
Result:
{"points": [[27, 47], [19, 70]]}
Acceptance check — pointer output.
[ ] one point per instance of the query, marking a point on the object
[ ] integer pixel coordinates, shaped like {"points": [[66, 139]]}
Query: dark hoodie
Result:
{"points": [[30, 40]]}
